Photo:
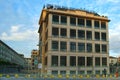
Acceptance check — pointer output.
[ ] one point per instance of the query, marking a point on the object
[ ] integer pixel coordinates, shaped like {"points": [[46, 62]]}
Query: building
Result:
{"points": [[34, 59], [28, 64], [113, 60], [11, 58], [114, 63], [73, 41]]}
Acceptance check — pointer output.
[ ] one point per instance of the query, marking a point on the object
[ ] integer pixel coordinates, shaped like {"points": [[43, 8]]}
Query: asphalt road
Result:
{"points": [[22, 78]]}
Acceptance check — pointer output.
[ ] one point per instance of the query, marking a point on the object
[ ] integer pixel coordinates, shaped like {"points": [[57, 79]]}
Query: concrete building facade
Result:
{"points": [[73, 41]]}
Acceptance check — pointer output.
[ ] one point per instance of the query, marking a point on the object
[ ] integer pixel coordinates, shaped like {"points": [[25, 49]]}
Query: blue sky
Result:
{"points": [[19, 21]]}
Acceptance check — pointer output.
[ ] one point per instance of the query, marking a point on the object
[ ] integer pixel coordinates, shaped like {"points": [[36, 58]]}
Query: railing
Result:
{"points": [[59, 76]]}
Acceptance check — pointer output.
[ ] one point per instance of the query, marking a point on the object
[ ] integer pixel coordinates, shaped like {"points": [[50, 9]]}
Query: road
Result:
{"points": [[22, 78]]}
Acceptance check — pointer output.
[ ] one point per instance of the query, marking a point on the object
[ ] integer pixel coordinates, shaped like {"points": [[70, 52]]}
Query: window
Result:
{"points": [[46, 47], [88, 23], [63, 19], [72, 61], [81, 47], [81, 61], [89, 47], [81, 22], [103, 36], [97, 72], [54, 45], [54, 72], [97, 48], [62, 72], [104, 61], [45, 60], [89, 35], [62, 60], [81, 72], [55, 31], [73, 33], [72, 46], [97, 61], [89, 72], [54, 60], [63, 46], [104, 48], [72, 21], [72, 72], [63, 32], [96, 24], [97, 36], [55, 18], [81, 34], [89, 61], [103, 25]]}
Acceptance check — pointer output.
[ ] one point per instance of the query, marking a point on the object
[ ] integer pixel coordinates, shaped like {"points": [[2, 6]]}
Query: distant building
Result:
{"points": [[34, 59], [73, 41], [10, 57], [118, 59], [113, 60], [28, 64]]}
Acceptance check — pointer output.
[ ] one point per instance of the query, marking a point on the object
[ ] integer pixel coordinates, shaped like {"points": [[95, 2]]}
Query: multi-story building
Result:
{"points": [[34, 59], [73, 41], [10, 55], [11, 58]]}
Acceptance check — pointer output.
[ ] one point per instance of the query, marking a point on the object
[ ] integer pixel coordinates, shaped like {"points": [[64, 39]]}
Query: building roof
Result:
{"points": [[112, 57], [67, 11]]}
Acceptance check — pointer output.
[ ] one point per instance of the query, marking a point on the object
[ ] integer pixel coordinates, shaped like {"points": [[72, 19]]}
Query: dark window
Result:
{"points": [[81, 22], [81, 34], [89, 35], [72, 46], [73, 33], [63, 32], [72, 72], [72, 20], [62, 72], [55, 31], [89, 61], [104, 61], [46, 47], [63, 46], [103, 25], [81, 61], [97, 48], [54, 72], [103, 35], [62, 60], [63, 19], [104, 48], [54, 60], [54, 45], [89, 47], [88, 23], [97, 61], [81, 47], [96, 24], [55, 19], [97, 36], [45, 60], [72, 61]]}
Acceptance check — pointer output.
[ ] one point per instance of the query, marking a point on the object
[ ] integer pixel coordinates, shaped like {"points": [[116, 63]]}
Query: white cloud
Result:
{"points": [[16, 34], [14, 28]]}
